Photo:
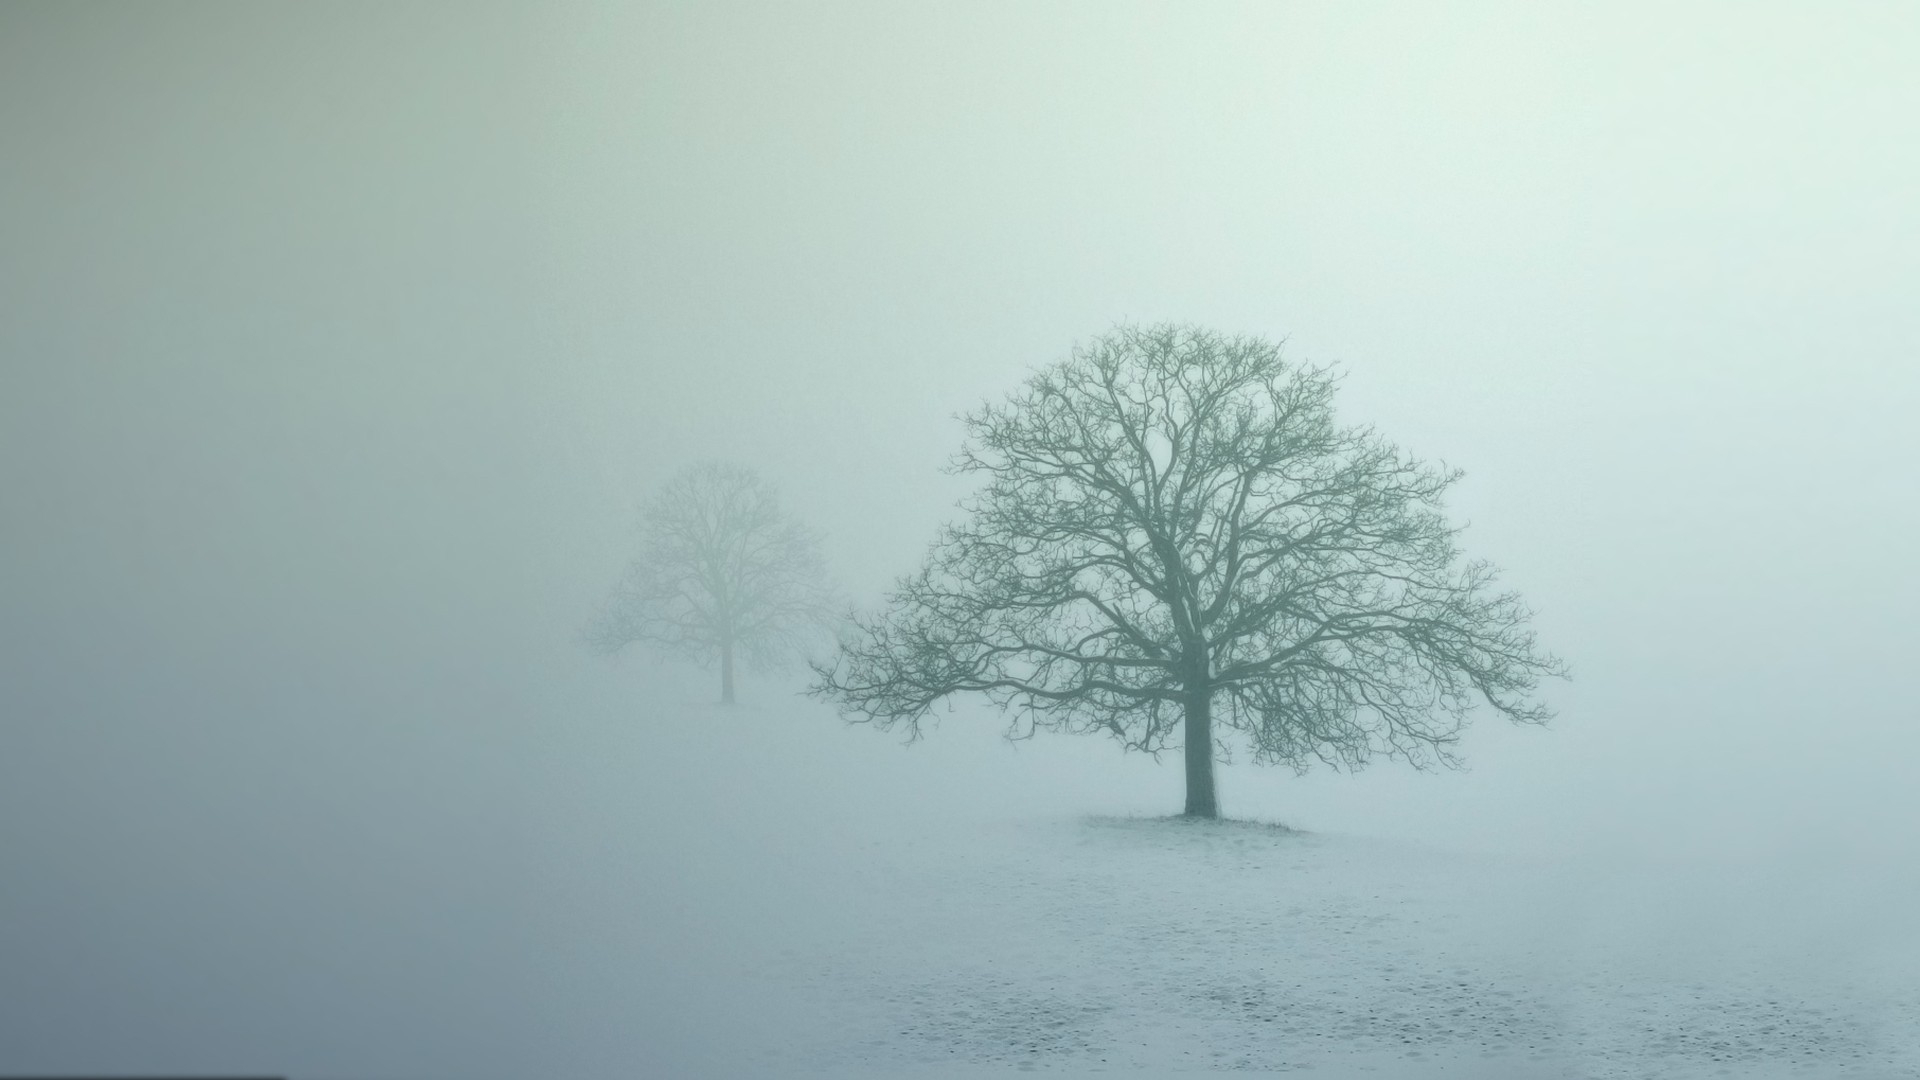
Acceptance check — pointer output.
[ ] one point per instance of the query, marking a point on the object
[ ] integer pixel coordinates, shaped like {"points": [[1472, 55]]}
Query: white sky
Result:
{"points": [[1645, 272]]}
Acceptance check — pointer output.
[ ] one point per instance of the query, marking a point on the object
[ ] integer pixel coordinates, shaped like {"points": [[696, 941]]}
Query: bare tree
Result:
{"points": [[722, 574], [1175, 536]]}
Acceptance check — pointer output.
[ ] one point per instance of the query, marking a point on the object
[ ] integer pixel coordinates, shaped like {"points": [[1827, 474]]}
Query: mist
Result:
{"points": [[338, 347]]}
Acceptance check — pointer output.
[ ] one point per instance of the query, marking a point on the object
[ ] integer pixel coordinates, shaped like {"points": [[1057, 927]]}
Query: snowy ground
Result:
{"points": [[1150, 944], [782, 898]]}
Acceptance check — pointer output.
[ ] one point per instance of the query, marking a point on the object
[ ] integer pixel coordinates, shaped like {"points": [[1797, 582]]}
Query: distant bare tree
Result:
{"points": [[722, 574], [1175, 535]]}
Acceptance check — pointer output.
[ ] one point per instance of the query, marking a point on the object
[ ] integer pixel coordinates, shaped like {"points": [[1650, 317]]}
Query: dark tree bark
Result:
{"points": [[1198, 752], [1175, 542]]}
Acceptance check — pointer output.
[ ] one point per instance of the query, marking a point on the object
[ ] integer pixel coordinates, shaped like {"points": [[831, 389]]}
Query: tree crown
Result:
{"points": [[1170, 512], [720, 566]]}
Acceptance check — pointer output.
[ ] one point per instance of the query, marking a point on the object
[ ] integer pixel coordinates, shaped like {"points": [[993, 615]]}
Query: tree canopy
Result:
{"points": [[722, 574], [1174, 533]]}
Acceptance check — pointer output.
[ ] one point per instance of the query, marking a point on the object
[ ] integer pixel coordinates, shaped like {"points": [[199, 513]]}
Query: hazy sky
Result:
{"points": [[338, 343], [1645, 273]]}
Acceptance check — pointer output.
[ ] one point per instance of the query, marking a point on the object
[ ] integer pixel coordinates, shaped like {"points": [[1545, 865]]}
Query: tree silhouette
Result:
{"points": [[722, 575], [1174, 537]]}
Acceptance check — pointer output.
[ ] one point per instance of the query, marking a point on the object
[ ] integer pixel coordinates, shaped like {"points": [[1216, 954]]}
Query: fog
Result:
{"points": [[338, 346]]}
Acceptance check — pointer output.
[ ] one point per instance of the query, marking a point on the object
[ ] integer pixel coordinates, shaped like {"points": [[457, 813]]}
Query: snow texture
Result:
{"points": [[1147, 945], [898, 940]]}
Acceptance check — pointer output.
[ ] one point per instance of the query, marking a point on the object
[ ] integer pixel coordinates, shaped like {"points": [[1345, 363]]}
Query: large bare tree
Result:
{"points": [[723, 574], [1175, 536]]}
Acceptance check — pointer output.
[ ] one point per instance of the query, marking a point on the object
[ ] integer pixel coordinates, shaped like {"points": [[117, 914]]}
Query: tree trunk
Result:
{"points": [[726, 673], [1199, 752]]}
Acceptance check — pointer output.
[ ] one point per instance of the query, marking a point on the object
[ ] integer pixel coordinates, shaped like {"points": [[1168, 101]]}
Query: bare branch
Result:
{"points": [[1172, 519], [721, 572]]}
